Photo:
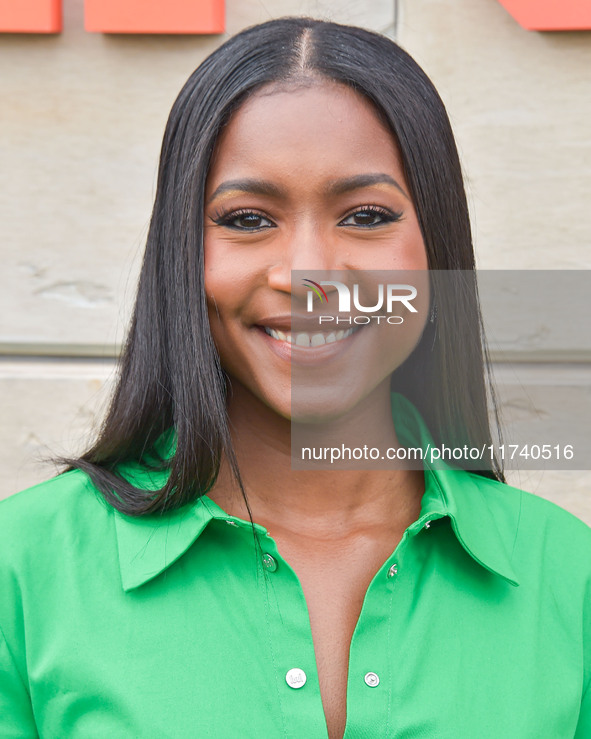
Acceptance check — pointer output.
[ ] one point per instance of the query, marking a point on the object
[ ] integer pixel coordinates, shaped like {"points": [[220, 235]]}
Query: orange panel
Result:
{"points": [[154, 16], [551, 15], [30, 16]]}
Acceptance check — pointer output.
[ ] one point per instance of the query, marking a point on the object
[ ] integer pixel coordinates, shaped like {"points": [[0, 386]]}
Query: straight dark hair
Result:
{"points": [[170, 374]]}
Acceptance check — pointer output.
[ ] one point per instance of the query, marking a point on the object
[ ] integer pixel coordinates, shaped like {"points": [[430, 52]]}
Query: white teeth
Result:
{"points": [[304, 339]]}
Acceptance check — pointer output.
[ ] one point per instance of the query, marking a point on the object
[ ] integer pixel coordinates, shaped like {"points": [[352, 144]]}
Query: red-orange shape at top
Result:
{"points": [[154, 16], [550, 15], [30, 16]]}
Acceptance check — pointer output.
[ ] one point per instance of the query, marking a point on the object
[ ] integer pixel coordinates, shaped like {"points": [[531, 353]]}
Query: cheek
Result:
{"points": [[219, 280], [419, 260], [414, 254], [221, 309], [404, 250], [217, 291], [229, 269], [229, 289], [221, 300]]}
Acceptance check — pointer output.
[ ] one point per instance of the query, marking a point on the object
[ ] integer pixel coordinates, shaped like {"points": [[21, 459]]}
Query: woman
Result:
{"points": [[181, 579]]}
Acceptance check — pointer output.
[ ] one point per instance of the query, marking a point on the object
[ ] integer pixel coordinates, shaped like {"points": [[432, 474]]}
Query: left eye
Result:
{"points": [[369, 217]]}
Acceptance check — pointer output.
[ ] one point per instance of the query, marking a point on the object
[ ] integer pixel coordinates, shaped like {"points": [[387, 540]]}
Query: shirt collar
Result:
{"points": [[472, 502], [147, 545]]}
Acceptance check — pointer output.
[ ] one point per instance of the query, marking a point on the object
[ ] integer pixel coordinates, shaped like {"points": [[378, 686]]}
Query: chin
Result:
{"points": [[314, 407], [320, 406]]}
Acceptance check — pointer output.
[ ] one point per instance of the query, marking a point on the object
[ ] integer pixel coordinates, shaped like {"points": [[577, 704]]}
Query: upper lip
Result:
{"points": [[297, 323]]}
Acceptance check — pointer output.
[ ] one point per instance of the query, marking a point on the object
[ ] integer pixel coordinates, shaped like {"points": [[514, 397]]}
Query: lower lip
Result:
{"points": [[307, 354]]}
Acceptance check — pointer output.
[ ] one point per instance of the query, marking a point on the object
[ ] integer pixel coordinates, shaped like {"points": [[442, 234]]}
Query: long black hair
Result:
{"points": [[170, 375]]}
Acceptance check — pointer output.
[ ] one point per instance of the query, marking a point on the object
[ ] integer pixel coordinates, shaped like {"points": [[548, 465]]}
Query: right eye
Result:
{"points": [[243, 220]]}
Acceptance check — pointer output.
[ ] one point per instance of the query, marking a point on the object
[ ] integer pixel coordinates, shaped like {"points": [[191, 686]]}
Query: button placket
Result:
{"points": [[290, 643], [295, 678], [369, 691], [269, 562], [372, 679]]}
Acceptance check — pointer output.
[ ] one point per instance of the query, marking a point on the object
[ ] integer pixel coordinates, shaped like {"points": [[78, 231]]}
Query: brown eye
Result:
{"points": [[249, 220], [366, 218], [369, 217], [246, 220]]}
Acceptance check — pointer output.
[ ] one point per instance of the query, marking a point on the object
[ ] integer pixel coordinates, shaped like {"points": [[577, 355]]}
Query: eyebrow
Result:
{"points": [[336, 187], [257, 187]]}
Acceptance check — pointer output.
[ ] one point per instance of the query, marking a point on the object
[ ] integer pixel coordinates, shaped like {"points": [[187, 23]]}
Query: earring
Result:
{"points": [[432, 318], [433, 315]]}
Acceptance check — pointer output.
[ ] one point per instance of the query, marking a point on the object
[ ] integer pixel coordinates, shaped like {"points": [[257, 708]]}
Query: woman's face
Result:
{"points": [[306, 179]]}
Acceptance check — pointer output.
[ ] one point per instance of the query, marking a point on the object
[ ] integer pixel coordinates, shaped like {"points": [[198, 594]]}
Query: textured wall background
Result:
{"points": [[82, 120]]}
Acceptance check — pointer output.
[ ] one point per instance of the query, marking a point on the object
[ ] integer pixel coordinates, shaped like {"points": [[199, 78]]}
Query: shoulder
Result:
{"points": [[534, 513], [50, 515], [539, 534], [72, 488]]}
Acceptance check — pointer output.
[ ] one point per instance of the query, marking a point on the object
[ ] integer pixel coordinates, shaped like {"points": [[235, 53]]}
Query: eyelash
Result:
{"points": [[226, 218]]}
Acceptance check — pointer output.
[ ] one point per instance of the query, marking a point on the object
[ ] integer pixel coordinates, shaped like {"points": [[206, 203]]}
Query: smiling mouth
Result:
{"points": [[310, 339]]}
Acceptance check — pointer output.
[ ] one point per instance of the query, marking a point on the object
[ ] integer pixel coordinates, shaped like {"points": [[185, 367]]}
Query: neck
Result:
{"points": [[326, 503]]}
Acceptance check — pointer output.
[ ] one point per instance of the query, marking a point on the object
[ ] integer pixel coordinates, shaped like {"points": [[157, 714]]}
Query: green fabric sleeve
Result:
{"points": [[16, 713]]}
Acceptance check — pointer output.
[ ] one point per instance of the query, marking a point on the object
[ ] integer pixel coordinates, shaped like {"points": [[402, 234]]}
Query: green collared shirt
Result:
{"points": [[478, 625]]}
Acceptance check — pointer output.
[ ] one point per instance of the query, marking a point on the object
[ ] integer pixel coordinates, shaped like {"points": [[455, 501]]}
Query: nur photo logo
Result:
{"points": [[388, 296]]}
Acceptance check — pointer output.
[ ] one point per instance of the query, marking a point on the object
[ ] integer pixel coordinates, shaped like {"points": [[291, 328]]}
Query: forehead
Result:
{"points": [[305, 130]]}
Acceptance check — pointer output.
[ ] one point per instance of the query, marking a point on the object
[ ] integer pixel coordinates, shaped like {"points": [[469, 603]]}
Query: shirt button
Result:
{"points": [[372, 679], [428, 524], [269, 562], [231, 523], [391, 572], [295, 678]]}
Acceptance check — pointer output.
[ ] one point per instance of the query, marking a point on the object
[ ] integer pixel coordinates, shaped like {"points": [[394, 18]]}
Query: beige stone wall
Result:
{"points": [[80, 131], [520, 104]]}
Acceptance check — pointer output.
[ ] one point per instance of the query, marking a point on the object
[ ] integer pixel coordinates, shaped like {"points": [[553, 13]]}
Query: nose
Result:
{"points": [[302, 256]]}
